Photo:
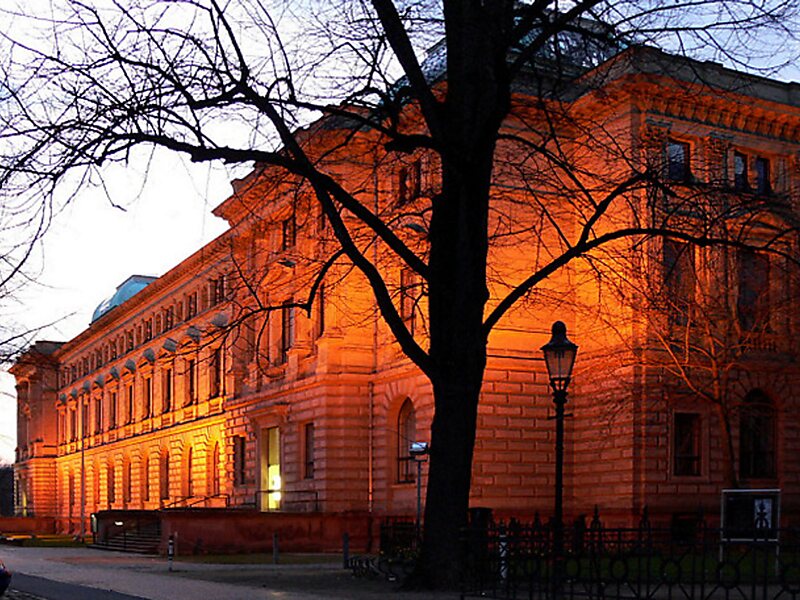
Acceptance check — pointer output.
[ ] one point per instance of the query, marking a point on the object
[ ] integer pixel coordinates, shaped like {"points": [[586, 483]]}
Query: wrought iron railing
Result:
{"points": [[515, 560]]}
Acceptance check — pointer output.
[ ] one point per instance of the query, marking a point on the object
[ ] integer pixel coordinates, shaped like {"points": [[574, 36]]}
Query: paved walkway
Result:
{"points": [[66, 573]]}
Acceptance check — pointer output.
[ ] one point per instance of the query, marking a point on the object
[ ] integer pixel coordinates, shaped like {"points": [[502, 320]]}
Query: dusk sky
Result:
{"points": [[92, 247]]}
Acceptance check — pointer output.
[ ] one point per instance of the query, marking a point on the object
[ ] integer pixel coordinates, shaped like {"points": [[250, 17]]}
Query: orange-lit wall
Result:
{"points": [[351, 380]]}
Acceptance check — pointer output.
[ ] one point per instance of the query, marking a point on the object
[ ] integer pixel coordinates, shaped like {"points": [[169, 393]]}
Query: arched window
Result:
{"points": [[213, 470], [146, 478], [127, 487], [111, 484], [163, 475], [188, 487], [406, 434], [757, 437]]}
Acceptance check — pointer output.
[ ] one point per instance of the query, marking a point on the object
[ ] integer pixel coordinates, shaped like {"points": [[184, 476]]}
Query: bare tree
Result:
{"points": [[495, 101]]}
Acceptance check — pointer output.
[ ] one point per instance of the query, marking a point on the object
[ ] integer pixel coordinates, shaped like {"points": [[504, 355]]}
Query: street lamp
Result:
{"points": [[559, 356], [418, 451]]}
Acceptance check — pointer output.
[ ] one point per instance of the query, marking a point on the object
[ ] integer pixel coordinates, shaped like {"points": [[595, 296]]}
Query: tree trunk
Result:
{"points": [[477, 101]]}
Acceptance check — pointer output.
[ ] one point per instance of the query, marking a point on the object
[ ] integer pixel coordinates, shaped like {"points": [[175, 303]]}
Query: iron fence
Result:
{"points": [[515, 560]]}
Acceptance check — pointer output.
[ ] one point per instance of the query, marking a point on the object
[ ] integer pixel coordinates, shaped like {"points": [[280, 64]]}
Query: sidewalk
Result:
{"points": [[148, 578]]}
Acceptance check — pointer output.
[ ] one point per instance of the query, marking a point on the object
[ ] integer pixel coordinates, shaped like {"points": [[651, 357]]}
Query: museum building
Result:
{"points": [[226, 391]]}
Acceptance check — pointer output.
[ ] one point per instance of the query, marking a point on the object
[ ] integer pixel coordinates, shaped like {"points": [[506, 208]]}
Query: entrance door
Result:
{"points": [[270, 484]]}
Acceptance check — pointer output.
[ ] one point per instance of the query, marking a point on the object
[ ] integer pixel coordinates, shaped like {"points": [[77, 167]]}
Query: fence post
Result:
{"points": [[275, 551], [170, 550], [346, 550]]}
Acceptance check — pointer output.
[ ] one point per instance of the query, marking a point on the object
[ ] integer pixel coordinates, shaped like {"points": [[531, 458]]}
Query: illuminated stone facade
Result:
{"points": [[211, 388]]}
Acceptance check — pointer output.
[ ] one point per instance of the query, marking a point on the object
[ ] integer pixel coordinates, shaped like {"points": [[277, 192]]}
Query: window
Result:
{"points": [[679, 280], [111, 484], [98, 414], [319, 323], [217, 288], [763, 185], [408, 298], [163, 475], [406, 434], [757, 437], [752, 303], [127, 487], [191, 305], [166, 389], [239, 461], [129, 407], [112, 410], [678, 165], [148, 397], [287, 331], [191, 390], [408, 182], [84, 417], [169, 318], [288, 233], [129, 340], [686, 440], [215, 373], [213, 469], [146, 479], [308, 450], [73, 424], [188, 463], [740, 182]]}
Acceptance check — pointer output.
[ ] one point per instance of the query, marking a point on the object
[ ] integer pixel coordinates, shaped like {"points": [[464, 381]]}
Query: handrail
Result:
{"points": [[184, 501]]}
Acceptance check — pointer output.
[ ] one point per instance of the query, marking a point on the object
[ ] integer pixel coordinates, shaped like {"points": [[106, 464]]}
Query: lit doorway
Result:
{"points": [[270, 484]]}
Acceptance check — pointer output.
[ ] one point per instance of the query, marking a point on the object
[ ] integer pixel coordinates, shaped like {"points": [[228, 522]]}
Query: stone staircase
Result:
{"points": [[144, 539]]}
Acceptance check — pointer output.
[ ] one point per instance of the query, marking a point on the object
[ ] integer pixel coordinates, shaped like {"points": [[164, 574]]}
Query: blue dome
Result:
{"points": [[125, 291]]}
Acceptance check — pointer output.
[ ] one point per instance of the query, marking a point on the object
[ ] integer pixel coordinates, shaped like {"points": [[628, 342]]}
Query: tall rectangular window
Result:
{"points": [[129, 407], [111, 484], [409, 294], [763, 185], [112, 410], [239, 462], [752, 303], [98, 414], [166, 389], [218, 289], [308, 450], [191, 389], [686, 444], [319, 324], [678, 161], [740, 181], [148, 397], [287, 331], [679, 280], [191, 305], [288, 233], [215, 373]]}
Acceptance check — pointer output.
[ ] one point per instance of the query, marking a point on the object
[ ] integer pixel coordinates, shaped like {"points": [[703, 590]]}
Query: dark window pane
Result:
{"points": [[762, 176], [677, 161], [757, 437], [740, 182], [686, 444]]}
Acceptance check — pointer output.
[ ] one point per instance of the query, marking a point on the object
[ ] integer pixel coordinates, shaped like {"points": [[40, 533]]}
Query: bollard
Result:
{"points": [[346, 550], [275, 551], [170, 551]]}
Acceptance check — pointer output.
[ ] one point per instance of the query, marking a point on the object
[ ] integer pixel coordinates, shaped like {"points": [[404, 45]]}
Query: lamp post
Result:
{"points": [[418, 451], [559, 356]]}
